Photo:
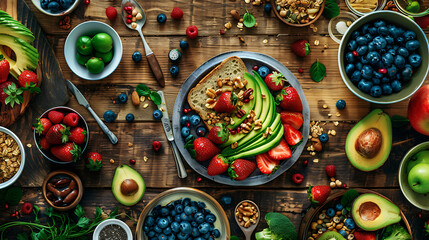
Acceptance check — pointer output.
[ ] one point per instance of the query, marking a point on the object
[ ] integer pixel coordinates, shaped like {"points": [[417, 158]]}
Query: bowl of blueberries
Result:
{"points": [[56, 7], [383, 57], [183, 213]]}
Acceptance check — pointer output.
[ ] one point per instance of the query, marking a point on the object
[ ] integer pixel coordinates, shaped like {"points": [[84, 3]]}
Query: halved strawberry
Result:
{"points": [[218, 165], [295, 119], [280, 152], [293, 137], [265, 164]]}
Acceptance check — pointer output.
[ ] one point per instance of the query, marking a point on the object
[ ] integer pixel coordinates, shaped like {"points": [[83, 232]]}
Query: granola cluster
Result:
{"points": [[10, 157]]}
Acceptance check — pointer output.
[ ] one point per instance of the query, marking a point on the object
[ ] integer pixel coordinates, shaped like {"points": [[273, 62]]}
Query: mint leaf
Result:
{"points": [[79, 212], [399, 121], [349, 197], [143, 90], [82, 222], [13, 195], [317, 71], [331, 9], [249, 20], [154, 96]]}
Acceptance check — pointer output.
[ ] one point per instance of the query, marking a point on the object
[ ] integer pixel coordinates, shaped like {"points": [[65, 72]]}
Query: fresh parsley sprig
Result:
{"points": [[143, 90]]}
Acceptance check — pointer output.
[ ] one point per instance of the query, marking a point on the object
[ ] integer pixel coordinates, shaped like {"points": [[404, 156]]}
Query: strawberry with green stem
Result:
{"points": [[275, 81], [93, 161], [28, 80], [318, 194], [69, 152], [42, 126], [219, 134], [227, 102], [202, 149]]}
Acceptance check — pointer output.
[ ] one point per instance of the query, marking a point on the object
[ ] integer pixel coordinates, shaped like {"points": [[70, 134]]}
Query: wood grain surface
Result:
{"points": [[271, 37]]}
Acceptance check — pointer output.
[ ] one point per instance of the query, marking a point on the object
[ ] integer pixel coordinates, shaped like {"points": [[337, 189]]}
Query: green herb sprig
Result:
{"points": [[317, 71], [143, 90]]}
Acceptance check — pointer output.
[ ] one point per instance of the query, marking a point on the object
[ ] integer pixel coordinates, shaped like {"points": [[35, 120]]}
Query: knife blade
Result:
{"points": [[181, 171], [82, 101]]}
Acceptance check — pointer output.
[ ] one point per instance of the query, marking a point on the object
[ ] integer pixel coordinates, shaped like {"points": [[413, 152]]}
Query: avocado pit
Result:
{"points": [[369, 211], [369, 142], [129, 187]]}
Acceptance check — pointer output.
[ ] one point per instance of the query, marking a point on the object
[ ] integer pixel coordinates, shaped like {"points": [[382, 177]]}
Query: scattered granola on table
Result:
{"points": [[299, 12], [10, 157]]}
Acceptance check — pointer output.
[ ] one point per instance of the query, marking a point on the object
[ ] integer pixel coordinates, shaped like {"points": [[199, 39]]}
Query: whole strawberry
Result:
{"points": [[330, 170], [288, 99], [3, 94], [42, 126], [202, 149], [71, 119], [111, 13], [58, 134], [69, 152], [93, 161], [318, 194], [227, 102], [301, 48], [240, 169], [28, 79], [217, 165], [177, 13], [77, 135], [44, 144], [362, 235], [55, 116], [219, 134], [275, 81], [4, 69]]}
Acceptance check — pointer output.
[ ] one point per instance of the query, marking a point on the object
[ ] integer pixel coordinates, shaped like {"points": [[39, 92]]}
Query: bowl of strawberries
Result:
{"points": [[61, 135]]}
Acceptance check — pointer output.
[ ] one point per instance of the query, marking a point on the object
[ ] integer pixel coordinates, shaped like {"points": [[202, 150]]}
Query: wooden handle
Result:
{"points": [[156, 69]]}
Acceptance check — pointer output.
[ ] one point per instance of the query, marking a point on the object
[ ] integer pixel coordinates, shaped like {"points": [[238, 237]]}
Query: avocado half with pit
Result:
{"points": [[128, 185], [372, 212], [369, 142], [331, 235]]}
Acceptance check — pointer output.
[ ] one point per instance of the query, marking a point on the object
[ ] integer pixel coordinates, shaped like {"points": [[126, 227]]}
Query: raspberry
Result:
{"points": [[156, 145], [297, 178], [177, 13], [330, 170], [192, 32], [111, 13], [27, 208]]}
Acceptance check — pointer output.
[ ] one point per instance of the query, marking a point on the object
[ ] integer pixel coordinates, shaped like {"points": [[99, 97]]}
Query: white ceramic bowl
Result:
{"points": [[47, 12], [90, 28], [21, 167], [95, 235]]}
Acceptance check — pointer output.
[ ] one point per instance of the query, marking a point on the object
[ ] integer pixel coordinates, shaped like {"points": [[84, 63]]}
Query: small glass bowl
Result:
{"points": [[332, 26], [424, 8], [380, 5]]}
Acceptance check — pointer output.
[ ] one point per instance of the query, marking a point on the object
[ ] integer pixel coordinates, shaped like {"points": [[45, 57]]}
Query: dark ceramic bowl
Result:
{"points": [[82, 124], [250, 59], [68, 174], [319, 13]]}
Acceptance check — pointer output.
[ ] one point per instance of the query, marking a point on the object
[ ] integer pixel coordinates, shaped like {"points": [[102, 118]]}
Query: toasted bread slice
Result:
{"points": [[232, 68]]}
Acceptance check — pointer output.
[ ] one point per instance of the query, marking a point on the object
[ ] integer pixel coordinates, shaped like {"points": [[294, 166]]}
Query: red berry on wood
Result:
{"points": [[199, 179], [300, 70], [132, 161], [86, 2], [297, 178]]}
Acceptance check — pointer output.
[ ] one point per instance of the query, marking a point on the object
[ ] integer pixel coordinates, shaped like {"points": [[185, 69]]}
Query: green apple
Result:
{"points": [[420, 157], [418, 178]]}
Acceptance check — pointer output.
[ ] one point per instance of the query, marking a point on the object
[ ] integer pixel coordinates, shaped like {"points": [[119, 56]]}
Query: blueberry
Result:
{"points": [[199, 218], [368, 37], [184, 120], [226, 200], [367, 72], [145, 229], [137, 56], [392, 52], [66, 4], [399, 61], [174, 70], [109, 116], [188, 210], [172, 237], [351, 45], [375, 91], [201, 205], [350, 58], [387, 59], [175, 227], [412, 45], [350, 69], [129, 117], [149, 221], [162, 223], [372, 30], [362, 50], [185, 132], [185, 227], [54, 7], [415, 60], [383, 31], [184, 216], [350, 224], [183, 236], [194, 224], [157, 229], [391, 71], [122, 98], [161, 18], [358, 66], [195, 232], [377, 74], [173, 212], [324, 137], [186, 201], [379, 23], [189, 138], [210, 218], [403, 52], [216, 233], [410, 35], [371, 46], [396, 86], [184, 44], [339, 207], [195, 120], [363, 60], [406, 74], [330, 212], [379, 42], [204, 228], [355, 34], [44, 4], [157, 114], [400, 40], [389, 40], [151, 234], [267, 8], [393, 31], [165, 211], [373, 57], [385, 80], [201, 131], [177, 218], [341, 104], [365, 86], [361, 40], [167, 231], [365, 28], [343, 233], [263, 71], [356, 76], [162, 236], [386, 88]]}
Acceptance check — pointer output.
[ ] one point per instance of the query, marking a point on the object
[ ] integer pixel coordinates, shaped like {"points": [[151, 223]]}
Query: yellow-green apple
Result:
{"points": [[420, 157], [418, 178], [418, 110]]}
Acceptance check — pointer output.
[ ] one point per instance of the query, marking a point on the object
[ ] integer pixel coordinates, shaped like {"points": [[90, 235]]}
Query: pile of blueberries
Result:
{"points": [[182, 219], [186, 122], [56, 6], [381, 57]]}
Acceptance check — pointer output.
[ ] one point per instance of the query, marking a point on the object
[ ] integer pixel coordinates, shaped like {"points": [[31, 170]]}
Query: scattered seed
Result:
{"points": [[332, 179], [312, 153], [228, 25], [130, 144], [146, 105], [329, 115], [316, 42], [265, 41], [142, 98], [311, 25], [162, 109], [315, 29], [112, 161], [326, 46], [336, 123], [145, 158], [333, 132], [332, 185], [325, 106], [316, 160], [338, 114], [29, 145], [349, 23]]}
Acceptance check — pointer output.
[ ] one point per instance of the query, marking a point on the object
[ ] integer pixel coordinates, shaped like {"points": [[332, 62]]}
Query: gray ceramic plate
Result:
{"points": [[250, 59]]}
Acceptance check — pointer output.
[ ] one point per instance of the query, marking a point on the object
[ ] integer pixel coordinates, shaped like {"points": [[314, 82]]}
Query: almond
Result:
{"points": [[135, 98]]}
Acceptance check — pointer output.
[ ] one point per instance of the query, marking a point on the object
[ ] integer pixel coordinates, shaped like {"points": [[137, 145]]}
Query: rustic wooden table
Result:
{"points": [[270, 37]]}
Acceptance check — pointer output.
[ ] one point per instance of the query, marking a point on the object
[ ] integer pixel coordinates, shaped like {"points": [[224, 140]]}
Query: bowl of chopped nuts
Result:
{"points": [[12, 157], [299, 13]]}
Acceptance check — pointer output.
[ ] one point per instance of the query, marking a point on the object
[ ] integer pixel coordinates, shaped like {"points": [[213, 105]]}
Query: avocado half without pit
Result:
{"points": [[372, 212], [331, 235], [369, 142], [128, 185]]}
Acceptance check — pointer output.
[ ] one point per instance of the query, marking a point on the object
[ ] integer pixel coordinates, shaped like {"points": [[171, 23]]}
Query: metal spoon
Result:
{"points": [[153, 62], [248, 231]]}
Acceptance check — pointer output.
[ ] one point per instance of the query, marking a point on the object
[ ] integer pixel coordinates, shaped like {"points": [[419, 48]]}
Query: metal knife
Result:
{"points": [[181, 171], [82, 101]]}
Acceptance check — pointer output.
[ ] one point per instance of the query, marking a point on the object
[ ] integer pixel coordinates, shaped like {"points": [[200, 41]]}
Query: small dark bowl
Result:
{"points": [[319, 13], [82, 124], [73, 176]]}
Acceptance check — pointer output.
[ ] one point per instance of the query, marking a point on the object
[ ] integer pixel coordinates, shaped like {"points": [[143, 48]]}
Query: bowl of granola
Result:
{"points": [[298, 13], [12, 157]]}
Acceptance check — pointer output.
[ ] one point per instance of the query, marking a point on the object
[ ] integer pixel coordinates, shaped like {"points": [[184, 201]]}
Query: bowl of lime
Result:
{"points": [[93, 50]]}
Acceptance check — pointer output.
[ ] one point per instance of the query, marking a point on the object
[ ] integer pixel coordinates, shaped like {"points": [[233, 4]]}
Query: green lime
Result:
{"points": [[82, 59], [106, 57], [413, 7], [84, 45], [95, 65], [102, 42]]}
